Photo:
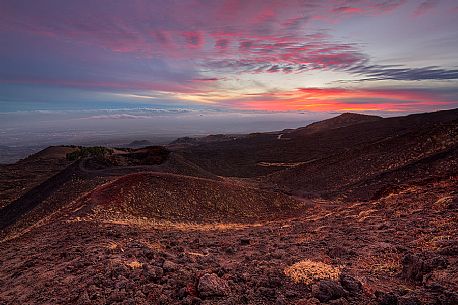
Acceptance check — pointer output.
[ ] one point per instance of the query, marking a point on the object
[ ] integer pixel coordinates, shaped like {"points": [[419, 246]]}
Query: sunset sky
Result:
{"points": [[227, 56]]}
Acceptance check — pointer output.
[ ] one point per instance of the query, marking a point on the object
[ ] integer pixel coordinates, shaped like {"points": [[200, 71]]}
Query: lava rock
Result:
{"points": [[211, 285], [449, 248], [152, 273], [244, 241], [119, 269], [453, 205], [117, 296], [339, 252], [386, 298], [230, 250], [311, 301], [448, 298], [350, 284], [84, 299], [413, 268], [408, 300], [148, 253], [341, 301], [328, 290], [437, 262], [169, 266], [267, 293]]}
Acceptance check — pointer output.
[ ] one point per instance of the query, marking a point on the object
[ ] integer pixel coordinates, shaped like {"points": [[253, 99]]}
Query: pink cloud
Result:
{"points": [[200, 31], [348, 10], [232, 36], [193, 39]]}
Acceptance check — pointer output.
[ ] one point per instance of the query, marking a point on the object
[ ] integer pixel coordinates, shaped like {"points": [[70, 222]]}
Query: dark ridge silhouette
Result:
{"points": [[343, 120], [139, 143]]}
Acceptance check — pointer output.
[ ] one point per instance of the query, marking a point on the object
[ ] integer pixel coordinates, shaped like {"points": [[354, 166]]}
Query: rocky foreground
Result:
{"points": [[401, 249]]}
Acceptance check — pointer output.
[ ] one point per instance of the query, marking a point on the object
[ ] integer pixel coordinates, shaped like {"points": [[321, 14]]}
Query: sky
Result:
{"points": [[77, 65]]}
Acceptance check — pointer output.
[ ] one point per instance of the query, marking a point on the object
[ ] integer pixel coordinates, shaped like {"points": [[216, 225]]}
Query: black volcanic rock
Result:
{"points": [[328, 290], [413, 268], [386, 298], [350, 283]]}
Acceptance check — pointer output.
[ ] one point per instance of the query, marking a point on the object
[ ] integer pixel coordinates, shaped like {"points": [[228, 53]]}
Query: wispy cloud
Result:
{"points": [[118, 117], [380, 72]]}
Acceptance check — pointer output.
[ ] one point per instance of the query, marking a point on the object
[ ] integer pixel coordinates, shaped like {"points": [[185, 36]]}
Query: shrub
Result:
{"points": [[308, 272], [95, 151], [135, 264]]}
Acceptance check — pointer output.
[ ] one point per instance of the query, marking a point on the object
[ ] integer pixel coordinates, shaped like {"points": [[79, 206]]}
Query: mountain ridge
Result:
{"points": [[342, 120]]}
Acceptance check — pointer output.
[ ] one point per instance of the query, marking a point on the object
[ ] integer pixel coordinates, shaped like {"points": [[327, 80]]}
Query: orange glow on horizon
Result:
{"points": [[336, 99]]}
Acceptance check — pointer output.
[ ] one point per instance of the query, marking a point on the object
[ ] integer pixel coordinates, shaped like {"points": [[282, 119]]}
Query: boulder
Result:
{"points": [[169, 266], [152, 273], [413, 268], [408, 300], [350, 284], [386, 298], [328, 290], [210, 285]]}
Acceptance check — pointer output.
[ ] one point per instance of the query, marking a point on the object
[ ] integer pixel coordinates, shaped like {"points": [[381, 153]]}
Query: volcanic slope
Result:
{"points": [[265, 153], [343, 120], [365, 172], [18, 178], [170, 197], [25, 207], [151, 226]]}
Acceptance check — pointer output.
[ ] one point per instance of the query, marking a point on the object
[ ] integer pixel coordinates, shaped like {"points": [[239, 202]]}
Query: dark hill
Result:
{"points": [[248, 156], [139, 143], [371, 170], [343, 120], [186, 141]]}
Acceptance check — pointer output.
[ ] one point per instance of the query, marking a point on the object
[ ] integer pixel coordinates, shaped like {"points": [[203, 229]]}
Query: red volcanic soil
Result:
{"points": [[190, 199]]}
